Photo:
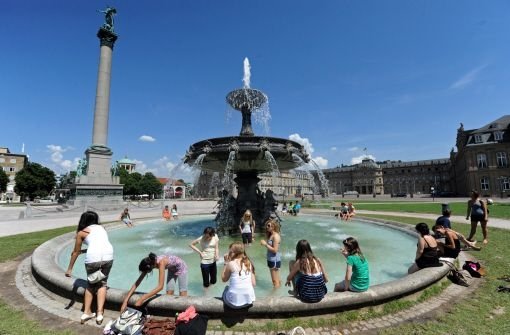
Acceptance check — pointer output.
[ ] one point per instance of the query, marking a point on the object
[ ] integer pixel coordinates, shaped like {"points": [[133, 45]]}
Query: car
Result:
{"points": [[351, 193], [400, 195]]}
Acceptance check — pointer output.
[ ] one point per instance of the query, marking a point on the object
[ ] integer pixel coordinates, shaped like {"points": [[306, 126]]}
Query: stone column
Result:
{"points": [[102, 107]]}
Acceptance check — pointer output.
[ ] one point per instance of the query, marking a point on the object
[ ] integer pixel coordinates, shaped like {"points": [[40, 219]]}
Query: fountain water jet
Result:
{"points": [[246, 156]]}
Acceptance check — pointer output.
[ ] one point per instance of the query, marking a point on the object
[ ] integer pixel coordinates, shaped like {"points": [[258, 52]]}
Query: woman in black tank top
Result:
{"points": [[426, 252]]}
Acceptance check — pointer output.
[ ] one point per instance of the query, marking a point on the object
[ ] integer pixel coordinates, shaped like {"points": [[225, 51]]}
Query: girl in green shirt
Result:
{"points": [[357, 274]]}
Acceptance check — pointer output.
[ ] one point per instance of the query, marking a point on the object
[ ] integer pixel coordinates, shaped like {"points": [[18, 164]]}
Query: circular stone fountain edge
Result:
{"points": [[52, 277]]}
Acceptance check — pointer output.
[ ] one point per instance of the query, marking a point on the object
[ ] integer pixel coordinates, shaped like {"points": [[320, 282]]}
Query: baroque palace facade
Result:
{"points": [[481, 162]]}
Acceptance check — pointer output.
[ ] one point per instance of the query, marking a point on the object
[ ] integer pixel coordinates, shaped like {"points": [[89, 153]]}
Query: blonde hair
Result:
{"points": [[247, 214], [275, 225], [236, 250]]}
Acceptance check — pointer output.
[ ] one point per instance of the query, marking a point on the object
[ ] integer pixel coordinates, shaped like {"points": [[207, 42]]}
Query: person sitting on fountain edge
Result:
{"points": [[296, 208]]}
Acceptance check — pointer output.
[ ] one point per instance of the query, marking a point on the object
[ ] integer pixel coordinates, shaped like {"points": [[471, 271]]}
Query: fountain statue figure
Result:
{"points": [[246, 156]]}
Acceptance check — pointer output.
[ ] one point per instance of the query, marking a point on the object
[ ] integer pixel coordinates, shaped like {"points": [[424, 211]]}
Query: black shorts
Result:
{"points": [[247, 237]]}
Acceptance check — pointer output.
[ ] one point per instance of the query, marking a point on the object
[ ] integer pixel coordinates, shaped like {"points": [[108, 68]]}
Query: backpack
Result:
{"points": [[130, 322]]}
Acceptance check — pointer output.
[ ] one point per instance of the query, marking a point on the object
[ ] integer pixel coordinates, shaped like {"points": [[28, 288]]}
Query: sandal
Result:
{"points": [[99, 319], [503, 288], [86, 317]]}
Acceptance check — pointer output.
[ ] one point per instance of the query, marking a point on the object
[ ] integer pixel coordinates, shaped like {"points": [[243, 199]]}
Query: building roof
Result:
{"points": [[499, 124], [125, 160]]}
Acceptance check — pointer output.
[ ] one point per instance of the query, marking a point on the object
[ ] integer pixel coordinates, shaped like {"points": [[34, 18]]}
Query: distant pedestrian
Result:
{"points": [[477, 211]]}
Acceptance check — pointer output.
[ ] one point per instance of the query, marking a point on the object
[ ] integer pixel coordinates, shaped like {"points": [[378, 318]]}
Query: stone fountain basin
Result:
{"points": [[250, 156], [48, 274]]}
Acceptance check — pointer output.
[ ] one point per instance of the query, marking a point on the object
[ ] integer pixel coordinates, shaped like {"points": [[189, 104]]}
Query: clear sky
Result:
{"points": [[395, 77]]}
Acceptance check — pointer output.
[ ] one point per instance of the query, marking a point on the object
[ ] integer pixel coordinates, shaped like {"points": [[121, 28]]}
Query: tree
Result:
{"points": [[4, 180], [132, 183], [151, 185], [34, 180]]}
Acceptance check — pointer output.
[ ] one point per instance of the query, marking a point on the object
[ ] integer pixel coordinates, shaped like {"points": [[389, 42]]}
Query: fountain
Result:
{"points": [[246, 156]]}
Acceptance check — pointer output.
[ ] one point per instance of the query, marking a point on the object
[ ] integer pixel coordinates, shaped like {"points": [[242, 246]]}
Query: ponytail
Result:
{"points": [[147, 264]]}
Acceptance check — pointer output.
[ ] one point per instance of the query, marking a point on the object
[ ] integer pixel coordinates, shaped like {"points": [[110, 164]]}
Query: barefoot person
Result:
{"points": [[239, 271], [247, 227], [166, 214], [126, 218], [208, 249], [427, 253], [307, 275], [273, 250], [451, 246], [357, 277], [99, 256], [177, 272], [477, 210]]}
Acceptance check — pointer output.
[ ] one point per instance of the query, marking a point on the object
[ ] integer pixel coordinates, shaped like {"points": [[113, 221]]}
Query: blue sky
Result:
{"points": [[396, 77]]}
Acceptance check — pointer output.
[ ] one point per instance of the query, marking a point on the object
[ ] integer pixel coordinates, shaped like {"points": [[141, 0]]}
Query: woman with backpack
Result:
{"points": [[98, 263]]}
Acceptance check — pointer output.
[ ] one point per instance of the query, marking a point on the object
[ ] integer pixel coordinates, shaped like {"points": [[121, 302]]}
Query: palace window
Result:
{"points": [[481, 160], [478, 138], [484, 183], [505, 183], [13, 160], [501, 159], [498, 136]]}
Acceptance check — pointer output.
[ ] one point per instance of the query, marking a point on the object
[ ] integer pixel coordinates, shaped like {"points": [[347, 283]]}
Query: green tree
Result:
{"points": [[132, 184], [34, 180], [4, 180], [151, 185]]}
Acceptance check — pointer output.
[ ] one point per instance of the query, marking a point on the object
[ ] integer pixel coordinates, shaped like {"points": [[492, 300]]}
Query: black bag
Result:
{"points": [[474, 269], [455, 275]]}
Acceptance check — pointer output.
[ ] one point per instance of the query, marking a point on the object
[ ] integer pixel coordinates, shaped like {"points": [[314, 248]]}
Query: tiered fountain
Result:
{"points": [[246, 156]]}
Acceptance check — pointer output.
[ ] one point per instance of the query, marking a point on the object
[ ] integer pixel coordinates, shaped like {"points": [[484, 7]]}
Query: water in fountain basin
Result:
{"points": [[389, 252]]}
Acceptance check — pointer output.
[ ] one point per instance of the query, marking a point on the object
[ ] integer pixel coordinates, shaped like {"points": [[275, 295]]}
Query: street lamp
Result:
{"points": [[433, 193]]}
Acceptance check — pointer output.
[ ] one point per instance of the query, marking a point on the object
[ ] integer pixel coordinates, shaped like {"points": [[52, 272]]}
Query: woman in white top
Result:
{"points": [[239, 271], [99, 256], [208, 249], [247, 227]]}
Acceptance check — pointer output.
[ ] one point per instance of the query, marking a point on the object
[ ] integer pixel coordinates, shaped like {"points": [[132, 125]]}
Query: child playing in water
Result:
{"points": [[166, 214], [126, 218], [175, 215]]}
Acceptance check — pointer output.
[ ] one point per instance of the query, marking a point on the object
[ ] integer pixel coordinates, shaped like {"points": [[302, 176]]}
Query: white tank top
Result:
{"points": [[99, 247]]}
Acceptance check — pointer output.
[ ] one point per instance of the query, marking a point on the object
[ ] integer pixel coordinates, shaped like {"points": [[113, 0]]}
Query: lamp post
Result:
{"points": [[433, 193]]}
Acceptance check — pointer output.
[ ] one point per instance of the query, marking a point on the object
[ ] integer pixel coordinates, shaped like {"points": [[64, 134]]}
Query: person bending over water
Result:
{"points": [[274, 258], [208, 249], [427, 253], [177, 272], [307, 275], [357, 276], [239, 271]]}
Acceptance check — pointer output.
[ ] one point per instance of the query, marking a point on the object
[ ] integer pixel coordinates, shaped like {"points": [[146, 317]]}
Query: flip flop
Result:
{"points": [[503, 288]]}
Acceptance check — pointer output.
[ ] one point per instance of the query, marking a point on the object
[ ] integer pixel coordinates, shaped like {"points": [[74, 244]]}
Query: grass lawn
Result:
{"points": [[498, 210], [485, 312]]}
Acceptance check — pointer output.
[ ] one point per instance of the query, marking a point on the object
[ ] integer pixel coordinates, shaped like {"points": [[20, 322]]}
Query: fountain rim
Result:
{"points": [[47, 273]]}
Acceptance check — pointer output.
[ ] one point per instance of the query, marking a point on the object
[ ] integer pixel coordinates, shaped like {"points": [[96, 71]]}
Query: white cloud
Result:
{"points": [[303, 141], [61, 165], [467, 78], [146, 138], [333, 148], [357, 160], [321, 162], [353, 149]]}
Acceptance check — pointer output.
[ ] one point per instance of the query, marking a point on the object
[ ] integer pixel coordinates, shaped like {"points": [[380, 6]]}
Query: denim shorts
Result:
{"points": [[274, 265]]}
